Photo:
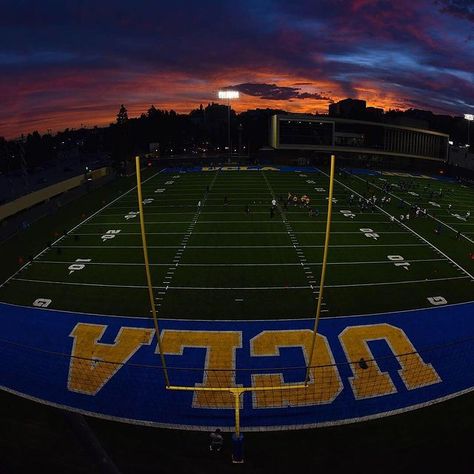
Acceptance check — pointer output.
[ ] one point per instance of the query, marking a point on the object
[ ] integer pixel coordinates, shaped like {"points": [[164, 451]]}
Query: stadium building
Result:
{"points": [[356, 138]]}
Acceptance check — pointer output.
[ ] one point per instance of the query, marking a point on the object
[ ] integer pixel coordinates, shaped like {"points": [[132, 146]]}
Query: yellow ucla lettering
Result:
{"points": [[93, 363], [219, 369], [394, 173], [368, 380], [324, 384], [269, 168]]}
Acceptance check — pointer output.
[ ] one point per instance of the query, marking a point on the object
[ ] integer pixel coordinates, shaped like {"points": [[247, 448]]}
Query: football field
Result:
{"points": [[218, 252]]}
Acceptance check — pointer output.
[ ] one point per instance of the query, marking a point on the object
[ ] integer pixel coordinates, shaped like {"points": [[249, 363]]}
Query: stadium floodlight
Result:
{"points": [[228, 94], [469, 118]]}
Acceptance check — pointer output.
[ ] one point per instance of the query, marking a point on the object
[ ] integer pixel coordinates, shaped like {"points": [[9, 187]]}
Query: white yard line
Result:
{"points": [[312, 222], [412, 231], [179, 253], [131, 264], [240, 233], [289, 231], [410, 204], [250, 288], [233, 246], [77, 226], [224, 212]]}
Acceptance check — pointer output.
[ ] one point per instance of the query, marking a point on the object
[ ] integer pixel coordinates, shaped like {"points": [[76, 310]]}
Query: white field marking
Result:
{"points": [[199, 193], [188, 233], [62, 311], [258, 204], [457, 223], [289, 230], [175, 264], [252, 288], [234, 246], [108, 285], [437, 300], [291, 212], [238, 233], [312, 222], [433, 217], [77, 226], [412, 231], [78, 265]]}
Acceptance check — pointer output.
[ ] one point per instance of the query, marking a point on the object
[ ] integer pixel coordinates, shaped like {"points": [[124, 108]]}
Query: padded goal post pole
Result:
{"points": [[323, 269], [147, 269]]}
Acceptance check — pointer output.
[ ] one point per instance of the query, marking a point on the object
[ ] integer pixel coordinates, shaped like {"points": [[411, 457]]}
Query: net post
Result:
{"points": [[237, 437], [323, 269], [147, 268]]}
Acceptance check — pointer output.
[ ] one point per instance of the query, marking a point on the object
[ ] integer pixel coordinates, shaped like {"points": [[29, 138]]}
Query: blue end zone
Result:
{"points": [[37, 345]]}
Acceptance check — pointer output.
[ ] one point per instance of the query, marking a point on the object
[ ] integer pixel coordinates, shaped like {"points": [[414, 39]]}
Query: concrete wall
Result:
{"points": [[36, 197]]}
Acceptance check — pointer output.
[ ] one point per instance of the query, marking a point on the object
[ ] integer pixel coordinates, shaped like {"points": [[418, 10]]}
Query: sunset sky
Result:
{"points": [[70, 62]]}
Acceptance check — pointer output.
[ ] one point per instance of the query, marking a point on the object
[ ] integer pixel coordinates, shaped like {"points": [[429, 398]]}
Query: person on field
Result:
{"points": [[216, 441]]}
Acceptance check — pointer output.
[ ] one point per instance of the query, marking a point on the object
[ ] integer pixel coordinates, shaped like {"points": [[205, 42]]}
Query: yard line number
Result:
{"points": [[110, 234], [369, 233], [347, 213], [437, 300], [131, 215], [399, 261], [79, 265]]}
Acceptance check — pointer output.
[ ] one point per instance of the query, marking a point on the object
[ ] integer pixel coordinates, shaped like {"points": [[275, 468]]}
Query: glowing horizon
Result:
{"points": [[64, 65]]}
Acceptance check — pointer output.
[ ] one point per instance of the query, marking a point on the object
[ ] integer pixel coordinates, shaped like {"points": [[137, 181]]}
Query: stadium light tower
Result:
{"points": [[469, 118], [228, 94]]}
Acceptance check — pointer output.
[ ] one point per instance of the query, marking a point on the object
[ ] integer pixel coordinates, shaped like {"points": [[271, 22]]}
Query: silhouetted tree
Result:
{"points": [[122, 116], [121, 140]]}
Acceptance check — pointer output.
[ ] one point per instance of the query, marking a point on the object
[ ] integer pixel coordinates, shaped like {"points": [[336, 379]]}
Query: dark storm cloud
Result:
{"points": [[274, 92], [59, 57], [460, 8]]}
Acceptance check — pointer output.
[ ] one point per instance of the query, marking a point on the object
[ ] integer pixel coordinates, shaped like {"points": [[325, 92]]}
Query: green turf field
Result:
{"points": [[217, 261]]}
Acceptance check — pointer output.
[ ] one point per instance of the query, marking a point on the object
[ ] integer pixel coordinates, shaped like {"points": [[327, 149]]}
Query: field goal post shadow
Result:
{"points": [[236, 391]]}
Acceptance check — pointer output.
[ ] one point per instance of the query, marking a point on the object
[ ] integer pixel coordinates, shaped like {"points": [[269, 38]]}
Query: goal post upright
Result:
{"points": [[323, 269], [147, 269]]}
